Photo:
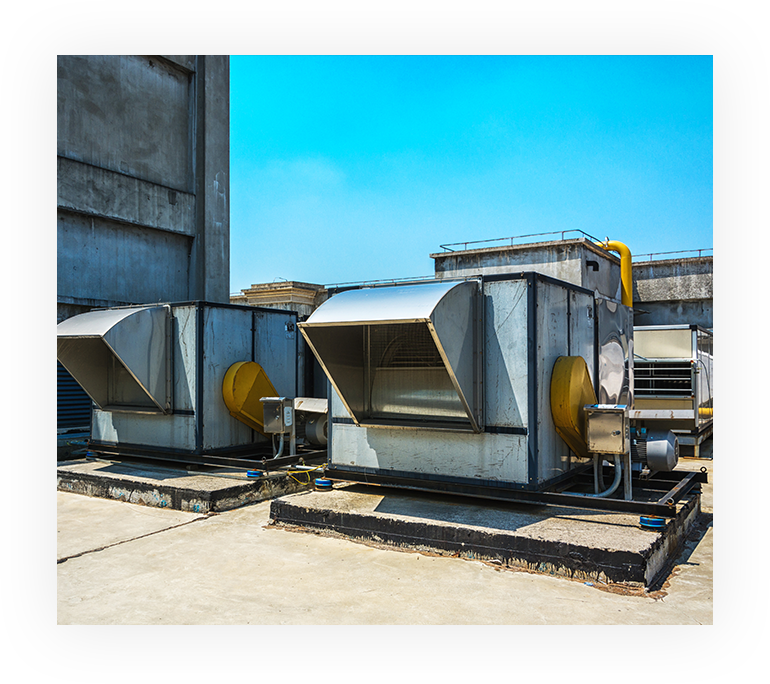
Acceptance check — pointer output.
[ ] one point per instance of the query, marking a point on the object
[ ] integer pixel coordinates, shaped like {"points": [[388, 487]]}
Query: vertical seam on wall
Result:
{"points": [[532, 442]]}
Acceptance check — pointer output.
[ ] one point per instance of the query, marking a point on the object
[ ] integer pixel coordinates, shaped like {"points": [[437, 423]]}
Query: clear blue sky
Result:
{"points": [[357, 168]]}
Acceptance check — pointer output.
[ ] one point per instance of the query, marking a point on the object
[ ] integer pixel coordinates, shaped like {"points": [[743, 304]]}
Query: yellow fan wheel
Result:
{"points": [[571, 390], [244, 385]]}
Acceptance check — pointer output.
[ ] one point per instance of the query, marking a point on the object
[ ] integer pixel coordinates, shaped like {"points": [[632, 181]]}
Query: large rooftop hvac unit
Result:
{"points": [[155, 374], [674, 381], [449, 381], [506, 378]]}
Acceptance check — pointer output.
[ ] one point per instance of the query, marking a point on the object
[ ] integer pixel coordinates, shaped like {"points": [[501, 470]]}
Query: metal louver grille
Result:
{"points": [[73, 404], [408, 379], [663, 378], [404, 346]]}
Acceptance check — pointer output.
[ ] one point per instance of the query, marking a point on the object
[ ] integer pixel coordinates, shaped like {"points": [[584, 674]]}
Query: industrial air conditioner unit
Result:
{"points": [[167, 380], [674, 381], [449, 381]]}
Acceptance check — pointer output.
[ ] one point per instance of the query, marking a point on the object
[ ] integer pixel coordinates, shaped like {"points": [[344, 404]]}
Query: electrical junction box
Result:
{"points": [[278, 414], [607, 428]]}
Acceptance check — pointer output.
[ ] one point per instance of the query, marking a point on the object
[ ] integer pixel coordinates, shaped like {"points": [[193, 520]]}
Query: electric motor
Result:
{"points": [[659, 450]]}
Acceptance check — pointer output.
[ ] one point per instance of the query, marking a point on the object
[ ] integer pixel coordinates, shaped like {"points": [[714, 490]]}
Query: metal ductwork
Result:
{"points": [[121, 357], [403, 356]]}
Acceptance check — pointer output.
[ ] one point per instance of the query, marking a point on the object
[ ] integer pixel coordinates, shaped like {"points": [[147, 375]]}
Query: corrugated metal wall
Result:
{"points": [[73, 405]]}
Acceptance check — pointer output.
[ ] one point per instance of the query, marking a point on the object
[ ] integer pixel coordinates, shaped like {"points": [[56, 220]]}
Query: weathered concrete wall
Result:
{"points": [[670, 291], [304, 298], [674, 291], [143, 180], [574, 261]]}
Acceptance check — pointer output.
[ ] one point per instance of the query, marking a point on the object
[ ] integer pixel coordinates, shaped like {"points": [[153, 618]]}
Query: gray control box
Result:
{"points": [[607, 428]]}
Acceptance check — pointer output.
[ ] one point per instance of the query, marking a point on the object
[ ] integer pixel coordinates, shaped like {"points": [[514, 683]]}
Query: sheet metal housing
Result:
{"points": [[527, 320], [204, 340]]}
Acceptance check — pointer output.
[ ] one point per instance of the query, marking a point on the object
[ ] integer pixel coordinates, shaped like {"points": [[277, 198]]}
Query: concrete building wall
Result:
{"points": [[304, 298], [576, 261], [674, 291], [665, 292], [143, 180]]}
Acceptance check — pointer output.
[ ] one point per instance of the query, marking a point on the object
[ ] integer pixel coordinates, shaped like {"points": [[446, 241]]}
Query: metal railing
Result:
{"points": [[509, 240], [639, 257], [388, 281]]}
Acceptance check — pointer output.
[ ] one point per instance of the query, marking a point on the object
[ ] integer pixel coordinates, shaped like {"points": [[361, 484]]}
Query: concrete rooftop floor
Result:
{"points": [[126, 564]]}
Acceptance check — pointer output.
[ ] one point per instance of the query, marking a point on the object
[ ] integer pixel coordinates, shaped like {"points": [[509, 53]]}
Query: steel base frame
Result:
{"points": [[256, 460], [662, 491]]}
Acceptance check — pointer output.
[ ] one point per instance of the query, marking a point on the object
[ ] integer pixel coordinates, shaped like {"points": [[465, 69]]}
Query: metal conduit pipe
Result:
{"points": [[626, 272], [613, 486], [596, 474], [279, 453]]}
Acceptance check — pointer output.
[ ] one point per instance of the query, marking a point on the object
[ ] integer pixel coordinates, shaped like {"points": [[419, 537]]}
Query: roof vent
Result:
{"points": [[120, 357], [405, 355]]}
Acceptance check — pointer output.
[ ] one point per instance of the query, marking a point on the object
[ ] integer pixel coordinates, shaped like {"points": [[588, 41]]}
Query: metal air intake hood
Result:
{"points": [[403, 356], [120, 357]]}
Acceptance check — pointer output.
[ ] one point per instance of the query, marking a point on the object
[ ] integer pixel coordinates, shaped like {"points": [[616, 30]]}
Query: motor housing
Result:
{"points": [[657, 449]]}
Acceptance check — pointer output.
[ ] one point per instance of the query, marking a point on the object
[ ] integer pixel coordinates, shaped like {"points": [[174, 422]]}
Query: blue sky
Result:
{"points": [[357, 168]]}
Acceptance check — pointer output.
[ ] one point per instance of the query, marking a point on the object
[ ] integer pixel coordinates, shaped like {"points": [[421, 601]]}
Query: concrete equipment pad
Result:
{"points": [[582, 544], [215, 490]]}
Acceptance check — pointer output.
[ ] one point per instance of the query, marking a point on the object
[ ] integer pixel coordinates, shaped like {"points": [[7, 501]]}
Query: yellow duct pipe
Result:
{"points": [[626, 272]]}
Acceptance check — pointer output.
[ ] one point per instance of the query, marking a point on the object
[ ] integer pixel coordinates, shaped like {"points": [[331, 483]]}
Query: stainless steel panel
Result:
{"points": [[506, 367], [183, 347], [172, 432], [275, 349], [582, 321], [497, 457], [402, 303], [607, 429], [616, 352], [226, 340]]}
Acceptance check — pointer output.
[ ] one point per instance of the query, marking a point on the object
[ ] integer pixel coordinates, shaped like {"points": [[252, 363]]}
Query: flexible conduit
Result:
{"points": [[615, 480]]}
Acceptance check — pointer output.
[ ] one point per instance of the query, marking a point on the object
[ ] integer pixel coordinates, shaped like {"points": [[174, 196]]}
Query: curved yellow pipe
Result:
{"points": [[626, 272]]}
